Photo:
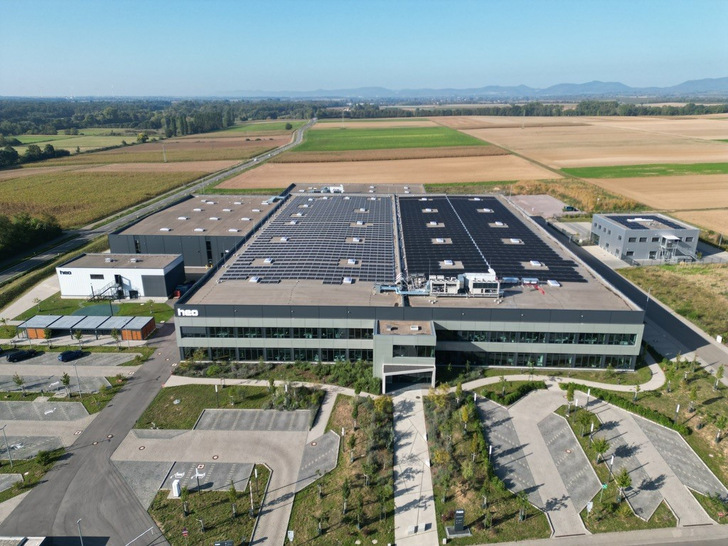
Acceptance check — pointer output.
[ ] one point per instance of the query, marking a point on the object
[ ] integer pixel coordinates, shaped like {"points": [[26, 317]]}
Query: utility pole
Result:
{"points": [[7, 447]]}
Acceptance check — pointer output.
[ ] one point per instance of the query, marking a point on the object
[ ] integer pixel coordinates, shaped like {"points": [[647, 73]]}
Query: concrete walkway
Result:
{"points": [[414, 503], [43, 290], [661, 480]]}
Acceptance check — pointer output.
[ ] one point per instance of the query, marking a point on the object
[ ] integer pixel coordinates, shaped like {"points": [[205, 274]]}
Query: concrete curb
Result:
{"points": [[262, 503]]}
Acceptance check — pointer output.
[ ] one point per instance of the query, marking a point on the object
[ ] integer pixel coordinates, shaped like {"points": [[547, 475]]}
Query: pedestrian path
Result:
{"points": [[414, 503]]}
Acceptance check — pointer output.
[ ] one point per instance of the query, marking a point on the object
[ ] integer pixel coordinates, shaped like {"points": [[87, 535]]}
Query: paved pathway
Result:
{"points": [[414, 504], [652, 478]]}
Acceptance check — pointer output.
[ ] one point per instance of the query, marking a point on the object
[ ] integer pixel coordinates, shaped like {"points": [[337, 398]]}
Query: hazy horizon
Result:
{"points": [[178, 49]]}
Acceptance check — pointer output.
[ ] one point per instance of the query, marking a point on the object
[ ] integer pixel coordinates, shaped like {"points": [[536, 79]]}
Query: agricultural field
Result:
{"points": [[266, 128], [192, 148], [388, 154], [336, 140], [71, 142], [715, 221], [77, 198], [404, 171], [641, 171], [383, 123]]}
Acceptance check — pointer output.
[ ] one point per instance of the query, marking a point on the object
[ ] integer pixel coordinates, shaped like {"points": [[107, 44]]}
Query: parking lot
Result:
{"points": [[50, 358]]}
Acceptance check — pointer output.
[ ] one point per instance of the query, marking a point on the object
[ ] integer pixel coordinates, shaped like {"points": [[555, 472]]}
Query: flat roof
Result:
{"points": [[67, 322], [122, 261], [646, 221], [404, 327], [215, 214], [81, 322], [39, 321], [137, 323], [91, 322], [117, 323], [585, 292]]}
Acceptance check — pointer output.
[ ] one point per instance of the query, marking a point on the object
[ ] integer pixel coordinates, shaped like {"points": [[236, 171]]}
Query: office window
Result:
{"points": [[655, 239], [632, 240], [96, 277], [643, 239], [689, 239]]}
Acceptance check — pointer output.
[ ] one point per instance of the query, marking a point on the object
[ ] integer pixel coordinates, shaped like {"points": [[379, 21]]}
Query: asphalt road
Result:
{"points": [[86, 484], [655, 313], [88, 233]]}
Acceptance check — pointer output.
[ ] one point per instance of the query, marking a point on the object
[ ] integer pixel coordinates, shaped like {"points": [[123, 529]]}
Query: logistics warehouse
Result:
{"points": [[409, 283]]}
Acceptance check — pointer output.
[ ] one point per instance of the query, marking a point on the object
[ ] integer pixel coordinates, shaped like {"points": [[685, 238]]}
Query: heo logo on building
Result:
{"points": [[188, 313], [65, 272]]}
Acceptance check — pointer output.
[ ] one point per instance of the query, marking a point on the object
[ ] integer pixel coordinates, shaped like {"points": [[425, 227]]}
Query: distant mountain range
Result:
{"points": [[708, 87]]}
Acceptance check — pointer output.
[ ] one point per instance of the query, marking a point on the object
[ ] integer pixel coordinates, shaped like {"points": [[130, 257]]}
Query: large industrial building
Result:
{"points": [[409, 283], [645, 237], [202, 229]]}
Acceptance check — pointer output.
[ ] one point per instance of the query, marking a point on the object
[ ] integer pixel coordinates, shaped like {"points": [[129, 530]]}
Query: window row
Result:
{"points": [[418, 351], [276, 333], [562, 338], [279, 354], [539, 360]]}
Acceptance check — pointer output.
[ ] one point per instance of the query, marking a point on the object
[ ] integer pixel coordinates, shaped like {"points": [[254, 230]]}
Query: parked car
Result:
{"points": [[66, 356], [17, 356]]}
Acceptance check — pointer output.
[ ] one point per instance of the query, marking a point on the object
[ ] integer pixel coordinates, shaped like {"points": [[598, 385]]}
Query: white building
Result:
{"points": [[120, 276]]}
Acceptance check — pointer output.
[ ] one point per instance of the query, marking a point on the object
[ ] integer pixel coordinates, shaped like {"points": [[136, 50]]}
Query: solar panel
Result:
{"points": [[328, 232], [480, 230], [625, 221]]}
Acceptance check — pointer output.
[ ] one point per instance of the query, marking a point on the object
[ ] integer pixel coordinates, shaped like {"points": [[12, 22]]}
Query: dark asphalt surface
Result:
{"points": [[655, 313], [86, 484], [88, 233]]}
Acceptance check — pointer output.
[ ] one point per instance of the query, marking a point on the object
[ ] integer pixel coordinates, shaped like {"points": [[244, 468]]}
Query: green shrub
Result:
{"points": [[515, 396]]}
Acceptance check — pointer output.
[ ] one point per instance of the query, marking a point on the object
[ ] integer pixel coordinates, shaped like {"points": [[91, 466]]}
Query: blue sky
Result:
{"points": [[185, 48]]}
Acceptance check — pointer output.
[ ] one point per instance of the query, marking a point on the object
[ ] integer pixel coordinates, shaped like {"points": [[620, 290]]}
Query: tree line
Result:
{"points": [[9, 156], [23, 231]]}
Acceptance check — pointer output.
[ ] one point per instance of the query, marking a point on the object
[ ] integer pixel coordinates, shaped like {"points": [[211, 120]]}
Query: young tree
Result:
{"points": [[185, 496], [522, 505], [693, 398], [458, 392], [601, 446], [78, 336], [115, 336], [636, 392], [720, 423], [583, 418], [465, 415], [20, 382], [718, 377], [569, 398], [345, 490], [66, 381], [37, 302], [47, 334], [503, 386], [623, 481]]}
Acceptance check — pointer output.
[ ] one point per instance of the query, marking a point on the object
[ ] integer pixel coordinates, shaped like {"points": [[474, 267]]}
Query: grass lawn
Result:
{"points": [[639, 171], [608, 515], [331, 140], [371, 120], [35, 471], [695, 291], [461, 482], [164, 413], [79, 198], [18, 396], [373, 504], [35, 139], [716, 509], [468, 187], [214, 509]]}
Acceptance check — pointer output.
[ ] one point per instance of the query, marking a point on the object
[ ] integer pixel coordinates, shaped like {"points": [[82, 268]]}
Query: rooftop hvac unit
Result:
{"points": [[298, 214], [108, 260], [362, 209], [516, 241], [212, 203], [536, 263], [347, 198], [351, 261], [214, 218], [284, 239], [165, 229], [204, 200], [423, 198], [199, 229], [449, 262], [414, 327], [359, 223], [487, 210], [406, 187], [268, 261], [406, 191], [428, 210], [554, 283], [233, 230], [348, 280], [510, 280], [245, 219], [237, 202], [227, 210], [371, 191], [293, 222], [499, 224], [433, 223], [530, 280], [476, 198], [439, 240], [254, 279], [197, 210], [135, 260], [356, 240], [183, 218], [256, 210]]}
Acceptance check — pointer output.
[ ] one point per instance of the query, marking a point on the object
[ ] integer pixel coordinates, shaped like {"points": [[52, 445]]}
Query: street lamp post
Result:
{"points": [[78, 381], [7, 447], [80, 536]]}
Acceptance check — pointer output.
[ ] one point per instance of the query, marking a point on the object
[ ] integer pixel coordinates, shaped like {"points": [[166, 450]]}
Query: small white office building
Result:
{"points": [[121, 276]]}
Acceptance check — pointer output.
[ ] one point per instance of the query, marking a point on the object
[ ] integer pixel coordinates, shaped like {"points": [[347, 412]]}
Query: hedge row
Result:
{"points": [[628, 405], [515, 396]]}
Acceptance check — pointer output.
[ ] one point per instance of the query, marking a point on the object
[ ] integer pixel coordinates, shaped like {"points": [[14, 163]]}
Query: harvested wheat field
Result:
{"points": [[702, 127], [388, 154], [405, 171], [716, 220], [671, 192], [599, 144], [373, 124], [179, 167], [493, 122]]}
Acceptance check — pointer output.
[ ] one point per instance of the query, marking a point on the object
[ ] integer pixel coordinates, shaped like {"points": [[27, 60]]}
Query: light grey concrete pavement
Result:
{"points": [[43, 290], [414, 503], [652, 478], [322, 419], [261, 420]]}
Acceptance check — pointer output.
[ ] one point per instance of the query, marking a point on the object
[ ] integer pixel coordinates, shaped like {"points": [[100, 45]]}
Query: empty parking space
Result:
{"points": [[681, 459], [319, 457], [8, 480], [209, 476], [52, 383], [260, 420], [27, 447], [50, 358], [144, 477], [508, 457], [42, 411], [574, 468]]}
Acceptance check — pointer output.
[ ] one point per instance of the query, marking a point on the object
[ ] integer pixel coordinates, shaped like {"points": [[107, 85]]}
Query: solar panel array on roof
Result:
{"points": [[625, 221], [483, 233], [317, 237]]}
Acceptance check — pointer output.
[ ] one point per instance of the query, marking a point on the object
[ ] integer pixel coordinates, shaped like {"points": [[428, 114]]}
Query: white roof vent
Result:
{"points": [[554, 283], [199, 229], [108, 260], [449, 262], [227, 210], [536, 263], [183, 218], [254, 279], [268, 261], [351, 261], [233, 230], [214, 218], [245, 219], [348, 280], [414, 327], [165, 229], [197, 210], [256, 210], [237, 202]]}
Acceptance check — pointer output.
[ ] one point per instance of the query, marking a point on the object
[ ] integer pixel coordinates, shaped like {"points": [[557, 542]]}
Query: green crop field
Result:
{"points": [[333, 140], [36, 139], [79, 198], [71, 142], [639, 171], [261, 128], [370, 120]]}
